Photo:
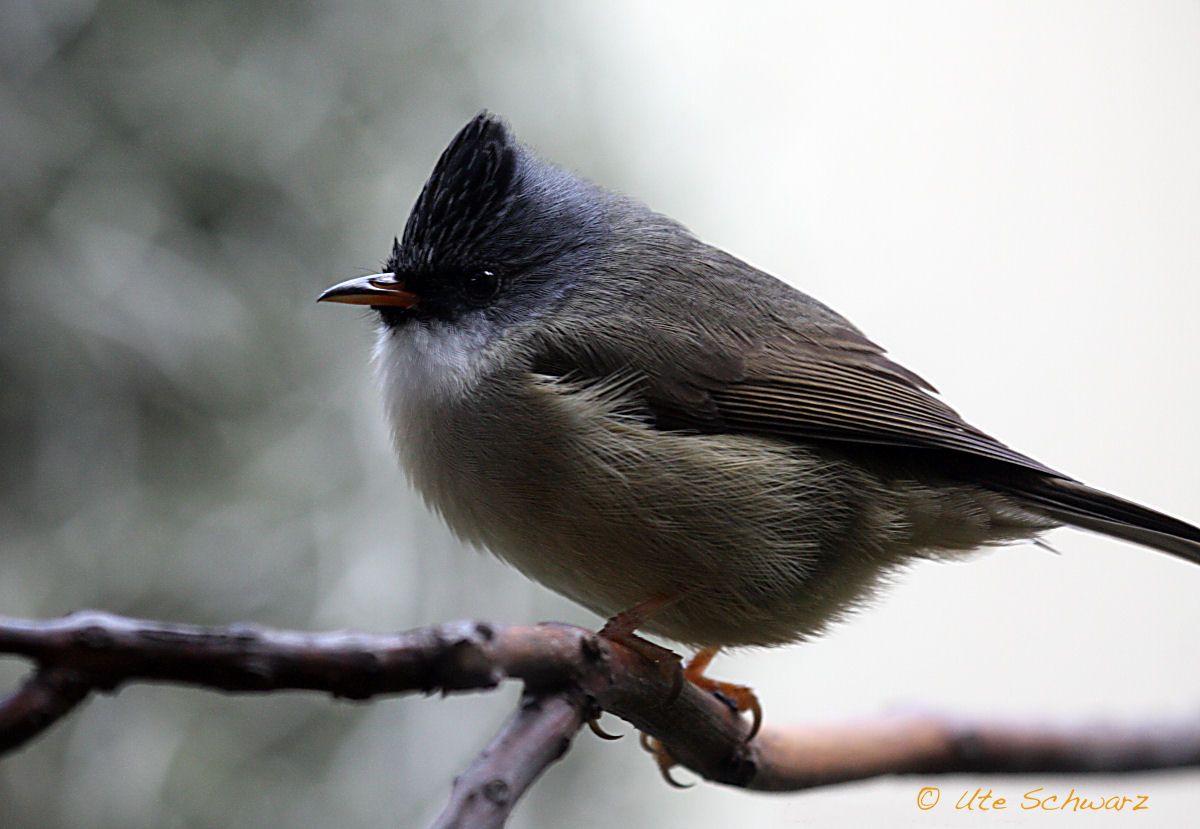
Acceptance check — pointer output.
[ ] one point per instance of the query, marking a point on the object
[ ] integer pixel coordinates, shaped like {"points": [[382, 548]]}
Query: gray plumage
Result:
{"points": [[622, 412]]}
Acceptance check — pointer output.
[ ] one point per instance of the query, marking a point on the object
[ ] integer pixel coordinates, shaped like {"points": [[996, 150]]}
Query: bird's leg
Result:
{"points": [[739, 698], [622, 630]]}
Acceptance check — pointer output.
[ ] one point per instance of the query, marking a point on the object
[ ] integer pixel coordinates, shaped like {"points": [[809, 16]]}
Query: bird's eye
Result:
{"points": [[481, 286]]}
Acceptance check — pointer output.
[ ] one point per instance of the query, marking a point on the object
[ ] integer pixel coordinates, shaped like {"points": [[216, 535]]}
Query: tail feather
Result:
{"points": [[1091, 509]]}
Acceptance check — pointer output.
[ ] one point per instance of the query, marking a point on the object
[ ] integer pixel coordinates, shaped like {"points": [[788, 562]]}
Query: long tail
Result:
{"points": [[1091, 509]]}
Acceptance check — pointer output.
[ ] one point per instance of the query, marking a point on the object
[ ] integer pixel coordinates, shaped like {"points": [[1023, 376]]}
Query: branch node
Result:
{"points": [[497, 791]]}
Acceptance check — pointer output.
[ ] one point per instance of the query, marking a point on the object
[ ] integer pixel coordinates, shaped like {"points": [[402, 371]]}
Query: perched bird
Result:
{"points": [[665, 434]]}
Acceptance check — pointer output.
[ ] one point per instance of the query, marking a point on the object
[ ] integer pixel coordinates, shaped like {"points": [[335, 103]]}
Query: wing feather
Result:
{"points": [[827, 391], [813, 377], [831, 385]]}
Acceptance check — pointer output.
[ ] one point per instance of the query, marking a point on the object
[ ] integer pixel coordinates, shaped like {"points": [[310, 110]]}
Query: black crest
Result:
{"points": [[466, 196]]}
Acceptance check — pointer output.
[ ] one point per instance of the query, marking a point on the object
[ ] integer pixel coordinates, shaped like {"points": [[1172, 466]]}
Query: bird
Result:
{"points": [[672, 438]]}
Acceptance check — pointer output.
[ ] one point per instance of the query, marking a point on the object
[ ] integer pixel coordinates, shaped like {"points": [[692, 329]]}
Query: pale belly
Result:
{"points": [[763, 542]]}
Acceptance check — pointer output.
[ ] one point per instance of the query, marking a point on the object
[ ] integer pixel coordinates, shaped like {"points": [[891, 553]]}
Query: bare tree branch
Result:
{"points": [[538, 733], [803, 757], [45, 696], [569, 674]]}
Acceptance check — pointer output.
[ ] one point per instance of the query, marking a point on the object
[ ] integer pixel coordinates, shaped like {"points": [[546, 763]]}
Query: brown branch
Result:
{"points": [[538, 733], [567, 672], [42, 700], [810, 756]]}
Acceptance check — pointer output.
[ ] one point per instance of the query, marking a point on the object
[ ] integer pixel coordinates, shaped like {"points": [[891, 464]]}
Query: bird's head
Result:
{"points": [[496, 234]]}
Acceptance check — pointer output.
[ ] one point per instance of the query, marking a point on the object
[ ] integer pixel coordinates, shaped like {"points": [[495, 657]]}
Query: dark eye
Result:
{"points": [[481, 286]]}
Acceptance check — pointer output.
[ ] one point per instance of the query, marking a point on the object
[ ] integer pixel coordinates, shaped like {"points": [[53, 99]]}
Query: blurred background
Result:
{"points": [[1005, 195]]}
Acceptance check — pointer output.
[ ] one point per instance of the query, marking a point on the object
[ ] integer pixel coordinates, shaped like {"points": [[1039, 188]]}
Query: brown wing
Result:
{"points": [[847, 390], [830, 384], [858, 395], [682, 335]]}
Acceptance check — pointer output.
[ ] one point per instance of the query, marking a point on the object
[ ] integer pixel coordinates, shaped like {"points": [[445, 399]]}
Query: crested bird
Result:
{"points": [[663, 433]]}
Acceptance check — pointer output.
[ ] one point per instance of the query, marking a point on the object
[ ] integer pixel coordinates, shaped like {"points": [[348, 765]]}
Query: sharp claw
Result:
{"points": [[739, 698], [663, 758], [671, 781], [594, 725], [756, 718]]}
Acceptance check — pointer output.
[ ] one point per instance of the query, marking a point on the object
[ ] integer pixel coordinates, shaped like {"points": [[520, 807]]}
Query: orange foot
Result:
{"points": [[739, 698]]}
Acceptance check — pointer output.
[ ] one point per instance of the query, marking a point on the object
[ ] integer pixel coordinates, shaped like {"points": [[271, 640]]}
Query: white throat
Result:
{"points": [[428, 370]]}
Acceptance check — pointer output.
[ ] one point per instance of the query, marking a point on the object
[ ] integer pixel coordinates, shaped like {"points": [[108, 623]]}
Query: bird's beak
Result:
{"points": [[376, 289]]}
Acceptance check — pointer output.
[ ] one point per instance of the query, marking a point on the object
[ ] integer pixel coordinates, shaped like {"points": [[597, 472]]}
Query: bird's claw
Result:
{"points": [[594, 725], [663, 758], [739, 698]]}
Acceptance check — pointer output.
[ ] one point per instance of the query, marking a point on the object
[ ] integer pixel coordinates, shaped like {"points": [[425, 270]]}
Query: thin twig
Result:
{"points": [[537, 734], [46, 696], [804, 757]]}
